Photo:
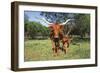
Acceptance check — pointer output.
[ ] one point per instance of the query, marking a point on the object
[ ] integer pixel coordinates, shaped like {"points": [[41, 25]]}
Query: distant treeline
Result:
{"points": [[35, 30]]}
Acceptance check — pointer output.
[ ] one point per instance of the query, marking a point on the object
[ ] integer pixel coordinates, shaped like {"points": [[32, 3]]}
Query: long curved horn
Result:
{"points": [[43, 19], [46, 21], [66, 21]]}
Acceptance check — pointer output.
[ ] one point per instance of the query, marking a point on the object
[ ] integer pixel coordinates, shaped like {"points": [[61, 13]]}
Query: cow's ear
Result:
{"points": [[61, 26], [50, 27]]}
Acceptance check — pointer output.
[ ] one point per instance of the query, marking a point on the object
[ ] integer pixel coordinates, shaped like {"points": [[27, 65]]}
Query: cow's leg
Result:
{"points": [[57, 46], [55, 51], [65, 47], [54, 48]]}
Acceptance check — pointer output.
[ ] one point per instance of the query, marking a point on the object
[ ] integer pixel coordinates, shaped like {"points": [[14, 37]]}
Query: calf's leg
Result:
{"points": [[65, 47]]}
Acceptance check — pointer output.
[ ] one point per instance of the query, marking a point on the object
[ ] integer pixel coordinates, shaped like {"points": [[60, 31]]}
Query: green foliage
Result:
{"points": [[36, 29], [56, 16], [82, 26]]}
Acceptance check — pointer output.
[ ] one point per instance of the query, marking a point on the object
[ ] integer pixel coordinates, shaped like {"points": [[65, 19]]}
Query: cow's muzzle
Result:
{"points": [[56, 40]]}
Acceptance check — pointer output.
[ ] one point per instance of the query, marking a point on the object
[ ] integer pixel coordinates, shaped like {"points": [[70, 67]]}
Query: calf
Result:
{"points": [[65, 43]]}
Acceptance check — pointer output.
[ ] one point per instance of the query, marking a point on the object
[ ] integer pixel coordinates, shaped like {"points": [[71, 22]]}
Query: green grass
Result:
{"points": [[38, 50]]}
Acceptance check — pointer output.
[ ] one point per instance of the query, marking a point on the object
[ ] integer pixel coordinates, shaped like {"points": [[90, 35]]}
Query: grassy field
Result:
{"points": [[38, 50]]}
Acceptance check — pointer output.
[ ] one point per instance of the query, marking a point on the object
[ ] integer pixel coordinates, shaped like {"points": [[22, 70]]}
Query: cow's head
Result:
{"points": [[56, 30]]}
